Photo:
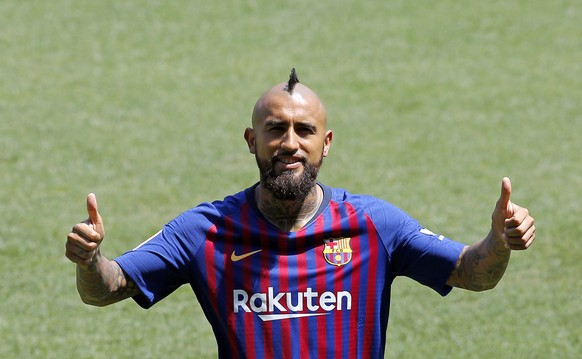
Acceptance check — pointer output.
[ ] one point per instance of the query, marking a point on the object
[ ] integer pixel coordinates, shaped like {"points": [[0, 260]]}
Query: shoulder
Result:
{"points": [[389, 220], [370, 205], [207, 214]]}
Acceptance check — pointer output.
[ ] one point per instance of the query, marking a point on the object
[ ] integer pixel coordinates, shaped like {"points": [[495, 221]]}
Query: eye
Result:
{"points": [[306, 130], [276, 129]]}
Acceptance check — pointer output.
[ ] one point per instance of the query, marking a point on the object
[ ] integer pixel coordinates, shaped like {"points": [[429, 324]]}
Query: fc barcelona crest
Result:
{"points": [[337, 251]]}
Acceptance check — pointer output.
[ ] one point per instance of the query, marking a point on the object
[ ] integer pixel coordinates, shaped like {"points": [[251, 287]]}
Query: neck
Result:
{"points": [[288, 215]]}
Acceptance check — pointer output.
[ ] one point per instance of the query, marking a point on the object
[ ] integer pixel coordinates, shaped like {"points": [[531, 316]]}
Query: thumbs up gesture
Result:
{"points": [[511, 223], [82, 246]]}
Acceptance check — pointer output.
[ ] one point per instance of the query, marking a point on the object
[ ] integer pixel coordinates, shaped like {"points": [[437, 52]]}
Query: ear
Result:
{"points": [[250, 138], [327, 142]]}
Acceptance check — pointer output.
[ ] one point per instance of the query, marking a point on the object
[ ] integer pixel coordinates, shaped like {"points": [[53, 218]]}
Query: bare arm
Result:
{"points": [[481, 265], [104, 282], [100, 281]]}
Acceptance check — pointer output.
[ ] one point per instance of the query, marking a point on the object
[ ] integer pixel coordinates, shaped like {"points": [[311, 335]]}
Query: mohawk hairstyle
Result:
{"points": [[293, 80]]}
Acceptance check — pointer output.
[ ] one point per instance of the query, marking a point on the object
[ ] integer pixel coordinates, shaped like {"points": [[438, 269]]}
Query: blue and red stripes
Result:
{"points": [[293, 267]]}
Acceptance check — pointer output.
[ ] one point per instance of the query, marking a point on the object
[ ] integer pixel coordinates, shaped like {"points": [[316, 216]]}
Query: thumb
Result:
{"points": [[504, 205], [93, 211]]}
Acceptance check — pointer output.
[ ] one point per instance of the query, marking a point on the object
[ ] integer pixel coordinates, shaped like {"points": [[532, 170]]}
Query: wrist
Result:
{"points": [[91, 264], [498, 241]]}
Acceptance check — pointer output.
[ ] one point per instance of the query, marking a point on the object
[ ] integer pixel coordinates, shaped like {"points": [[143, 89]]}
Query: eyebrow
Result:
{"points": [[274, 122], [278, 122]]}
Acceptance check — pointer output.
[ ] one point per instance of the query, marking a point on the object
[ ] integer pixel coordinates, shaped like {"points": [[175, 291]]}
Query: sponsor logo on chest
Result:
{"points": [[287, 305]]}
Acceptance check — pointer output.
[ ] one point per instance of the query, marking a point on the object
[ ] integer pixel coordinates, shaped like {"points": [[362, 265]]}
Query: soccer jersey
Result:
{"points": [[320, 292]]}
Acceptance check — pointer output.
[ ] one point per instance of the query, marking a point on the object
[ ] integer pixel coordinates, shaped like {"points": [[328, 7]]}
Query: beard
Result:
{"points": [[288, 186]]}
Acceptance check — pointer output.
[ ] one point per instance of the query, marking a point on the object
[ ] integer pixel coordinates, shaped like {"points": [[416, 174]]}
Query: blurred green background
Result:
{"points": [[432, 103]]}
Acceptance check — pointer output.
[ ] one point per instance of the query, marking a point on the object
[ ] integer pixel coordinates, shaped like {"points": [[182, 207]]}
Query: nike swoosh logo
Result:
{"points": [[235, 258]]}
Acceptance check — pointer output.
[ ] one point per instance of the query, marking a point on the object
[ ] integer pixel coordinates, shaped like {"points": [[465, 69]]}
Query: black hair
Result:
{"points": [[293, 80]]}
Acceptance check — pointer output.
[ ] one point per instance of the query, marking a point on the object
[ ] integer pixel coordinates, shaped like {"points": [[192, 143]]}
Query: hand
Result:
{"points": [[82, 246], [511, 223]]}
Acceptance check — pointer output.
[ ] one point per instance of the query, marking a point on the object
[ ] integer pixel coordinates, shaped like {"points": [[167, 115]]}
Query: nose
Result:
{"points": [[290, 141]]}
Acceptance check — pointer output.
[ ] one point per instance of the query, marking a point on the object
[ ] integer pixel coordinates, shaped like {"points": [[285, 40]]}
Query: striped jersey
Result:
{"points": [[320, 292]]}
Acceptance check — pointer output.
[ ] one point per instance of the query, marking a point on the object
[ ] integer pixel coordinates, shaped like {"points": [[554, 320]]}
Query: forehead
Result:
{"points": [[301, 105]]}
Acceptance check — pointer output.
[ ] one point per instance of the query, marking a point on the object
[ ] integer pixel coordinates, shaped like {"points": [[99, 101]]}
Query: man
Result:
{"points": [[290, 267]]}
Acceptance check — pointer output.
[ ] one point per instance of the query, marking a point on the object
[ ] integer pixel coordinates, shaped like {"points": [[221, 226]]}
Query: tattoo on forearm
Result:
{"points": [[105, 283], [123, 286], [481, 266]]}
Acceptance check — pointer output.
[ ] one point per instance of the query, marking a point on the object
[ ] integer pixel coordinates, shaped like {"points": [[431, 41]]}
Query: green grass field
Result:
{"points": [[432, 103]]}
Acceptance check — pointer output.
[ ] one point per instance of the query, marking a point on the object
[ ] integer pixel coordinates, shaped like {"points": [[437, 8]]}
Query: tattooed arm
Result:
{"points": [[103, 282], [100, 281], [481, 266]]}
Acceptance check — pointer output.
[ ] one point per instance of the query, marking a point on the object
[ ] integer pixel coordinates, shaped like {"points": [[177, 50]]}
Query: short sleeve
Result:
{"points": [[414, 251], [163, 263], [426, 257], [153, 269]]}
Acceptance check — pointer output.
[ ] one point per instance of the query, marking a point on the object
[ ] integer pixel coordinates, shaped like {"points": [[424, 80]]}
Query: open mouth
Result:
{"points": [[288, 163]]}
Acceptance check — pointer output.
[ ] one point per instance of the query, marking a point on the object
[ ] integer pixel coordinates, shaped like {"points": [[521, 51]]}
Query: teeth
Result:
{"points": [[287, 161]]}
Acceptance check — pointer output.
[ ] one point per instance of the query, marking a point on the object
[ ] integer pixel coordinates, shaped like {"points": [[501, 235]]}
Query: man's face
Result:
{"points": [[289, 140]]}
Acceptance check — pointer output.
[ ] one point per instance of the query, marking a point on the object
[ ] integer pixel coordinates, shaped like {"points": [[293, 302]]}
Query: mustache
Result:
{"points": [[286, 160], [283, 156]]}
